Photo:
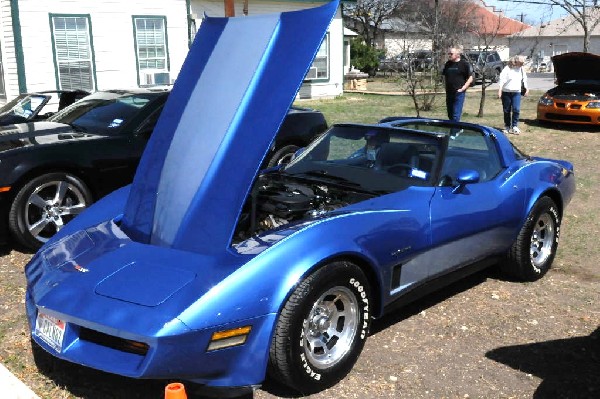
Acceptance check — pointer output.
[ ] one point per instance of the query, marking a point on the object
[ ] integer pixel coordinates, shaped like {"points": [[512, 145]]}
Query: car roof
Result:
{"points": [[243, 74]]}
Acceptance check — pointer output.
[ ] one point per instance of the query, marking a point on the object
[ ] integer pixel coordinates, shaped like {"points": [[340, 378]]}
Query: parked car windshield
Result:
{"points": [[22, 107], [370, 158], [104, 112]]}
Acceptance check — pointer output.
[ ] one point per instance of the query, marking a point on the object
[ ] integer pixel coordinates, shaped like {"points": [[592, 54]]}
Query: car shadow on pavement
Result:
{"points": [[569, 368]]}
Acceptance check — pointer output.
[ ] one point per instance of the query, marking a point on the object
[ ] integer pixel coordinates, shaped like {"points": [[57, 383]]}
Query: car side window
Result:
{"points": [[473, 150]]}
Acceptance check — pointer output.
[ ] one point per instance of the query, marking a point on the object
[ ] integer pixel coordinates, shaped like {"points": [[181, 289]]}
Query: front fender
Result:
{"points": [[262, 284]]}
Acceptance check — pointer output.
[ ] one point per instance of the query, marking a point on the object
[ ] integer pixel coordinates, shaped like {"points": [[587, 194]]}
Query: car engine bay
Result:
{"points": [[276, 201]]}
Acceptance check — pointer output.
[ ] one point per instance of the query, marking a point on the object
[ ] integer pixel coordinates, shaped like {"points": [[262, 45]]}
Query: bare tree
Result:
{"points": [[442, 21], [367, 16], [485, 28], [585, 12]]}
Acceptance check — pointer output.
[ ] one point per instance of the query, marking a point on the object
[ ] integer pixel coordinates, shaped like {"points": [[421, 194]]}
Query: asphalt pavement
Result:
{"points": [[537, 81]]}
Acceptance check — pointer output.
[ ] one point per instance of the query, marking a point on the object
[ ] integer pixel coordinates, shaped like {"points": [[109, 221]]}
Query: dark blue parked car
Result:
{"points": [[206, 269]]}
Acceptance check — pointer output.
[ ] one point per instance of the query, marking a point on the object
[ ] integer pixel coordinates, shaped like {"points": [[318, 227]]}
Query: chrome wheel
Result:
{"points": [[331, 327], [50, 206], [542, 240]]}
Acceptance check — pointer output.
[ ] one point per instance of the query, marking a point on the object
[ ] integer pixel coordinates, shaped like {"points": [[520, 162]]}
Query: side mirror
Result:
{"points": [[464, 177]]}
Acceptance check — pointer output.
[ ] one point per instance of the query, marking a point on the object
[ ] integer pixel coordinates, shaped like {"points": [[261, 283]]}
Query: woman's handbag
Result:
{"points": [[523, 89]]}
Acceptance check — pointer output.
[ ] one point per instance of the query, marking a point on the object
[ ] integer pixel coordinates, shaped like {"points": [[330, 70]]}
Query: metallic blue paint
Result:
{"points": [[122, 270]]}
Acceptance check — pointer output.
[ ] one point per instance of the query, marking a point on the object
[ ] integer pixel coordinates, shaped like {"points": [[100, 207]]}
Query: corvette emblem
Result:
{"points": [[81, 269]]}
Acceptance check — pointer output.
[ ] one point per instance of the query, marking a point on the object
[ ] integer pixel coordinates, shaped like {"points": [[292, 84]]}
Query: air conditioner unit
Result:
{"points": [[312, 73], [155, 78]]}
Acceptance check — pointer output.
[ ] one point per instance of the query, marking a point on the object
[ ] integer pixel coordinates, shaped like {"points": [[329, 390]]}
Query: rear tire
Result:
{"points": [[322, 328], [531, 255], [44, 205]]}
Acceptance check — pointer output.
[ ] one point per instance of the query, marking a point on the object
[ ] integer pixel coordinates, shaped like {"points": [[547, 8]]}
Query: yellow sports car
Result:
{"points": [[576, 98]]}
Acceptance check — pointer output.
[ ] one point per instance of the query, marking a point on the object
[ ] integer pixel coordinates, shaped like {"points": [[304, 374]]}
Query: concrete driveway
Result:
{"points": [[537, 81]]}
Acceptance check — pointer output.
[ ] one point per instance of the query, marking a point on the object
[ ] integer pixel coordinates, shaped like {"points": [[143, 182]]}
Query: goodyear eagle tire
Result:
{"points": [[322, 328], [532, 253]]}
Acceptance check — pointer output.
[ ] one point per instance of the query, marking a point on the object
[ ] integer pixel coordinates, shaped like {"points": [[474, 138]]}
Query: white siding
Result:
{"points": [[113, 42], [334, 85], [112, 36], [11, 82]]}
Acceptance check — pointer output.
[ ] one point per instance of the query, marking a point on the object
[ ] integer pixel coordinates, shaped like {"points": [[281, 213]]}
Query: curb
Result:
{"points": [[12, 387]]}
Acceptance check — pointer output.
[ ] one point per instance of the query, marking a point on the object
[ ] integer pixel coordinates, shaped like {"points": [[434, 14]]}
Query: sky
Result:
{"points": [[533, 14]]}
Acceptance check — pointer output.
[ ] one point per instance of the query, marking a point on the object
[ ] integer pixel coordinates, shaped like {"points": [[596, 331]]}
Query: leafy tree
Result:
{"points": [[364, 57]]}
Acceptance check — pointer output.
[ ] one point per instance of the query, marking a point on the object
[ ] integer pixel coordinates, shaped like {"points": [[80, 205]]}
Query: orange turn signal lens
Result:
{"points": [[228, 338]]}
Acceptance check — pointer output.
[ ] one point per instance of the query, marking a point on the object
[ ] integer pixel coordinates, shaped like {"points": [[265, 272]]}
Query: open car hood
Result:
{"points": [[234, 90], [576, 66]]}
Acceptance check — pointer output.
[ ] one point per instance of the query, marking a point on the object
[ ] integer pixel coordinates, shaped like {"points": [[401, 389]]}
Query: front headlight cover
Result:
{"points": [[593, 104], [546, 100]]}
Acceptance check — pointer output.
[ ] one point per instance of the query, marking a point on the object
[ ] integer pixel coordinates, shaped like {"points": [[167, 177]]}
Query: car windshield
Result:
{"points": [[374, 159], [473, 57], [23, 106], [104, 112]]}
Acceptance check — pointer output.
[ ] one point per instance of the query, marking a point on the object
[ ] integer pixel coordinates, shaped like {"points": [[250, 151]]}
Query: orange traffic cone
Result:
{"points": [[175, 390]]}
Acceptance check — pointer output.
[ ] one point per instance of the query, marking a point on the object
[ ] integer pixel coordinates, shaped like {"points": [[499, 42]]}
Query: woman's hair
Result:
{"points": [[517, 60]]}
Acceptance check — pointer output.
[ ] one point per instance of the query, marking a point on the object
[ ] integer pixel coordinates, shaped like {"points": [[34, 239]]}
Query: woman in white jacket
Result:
{"points": [[509, 91]]}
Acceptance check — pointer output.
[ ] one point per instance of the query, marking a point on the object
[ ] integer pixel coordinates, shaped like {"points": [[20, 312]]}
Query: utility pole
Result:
{"points": [[229, 8]]}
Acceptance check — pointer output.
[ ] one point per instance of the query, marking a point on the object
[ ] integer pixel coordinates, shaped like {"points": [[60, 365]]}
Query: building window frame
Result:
{"points": [[320, 68], [2, 84], [157, 53], [83, 51]]}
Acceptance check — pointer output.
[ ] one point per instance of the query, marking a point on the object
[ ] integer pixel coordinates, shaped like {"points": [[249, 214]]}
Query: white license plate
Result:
{"points": [[51, 330]]}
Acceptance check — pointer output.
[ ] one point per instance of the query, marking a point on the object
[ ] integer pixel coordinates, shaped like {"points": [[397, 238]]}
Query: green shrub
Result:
{"points": [[365, 57]]}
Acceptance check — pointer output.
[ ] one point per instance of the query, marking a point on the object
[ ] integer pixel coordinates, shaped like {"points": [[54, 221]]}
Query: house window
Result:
{"points": [[151, 50], [320, 66], [2, 89], [73, 52]]}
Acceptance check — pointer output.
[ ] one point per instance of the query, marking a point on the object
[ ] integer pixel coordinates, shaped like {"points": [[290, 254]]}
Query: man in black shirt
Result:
{"points": [[458, 75]]}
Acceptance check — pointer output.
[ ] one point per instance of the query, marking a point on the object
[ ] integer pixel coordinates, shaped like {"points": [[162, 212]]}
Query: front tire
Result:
{"points": [[322, 328], [532, 253], [44, 205]]}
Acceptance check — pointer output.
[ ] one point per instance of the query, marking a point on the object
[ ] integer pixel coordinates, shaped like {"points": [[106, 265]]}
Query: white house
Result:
{"points": [[93, 45]]}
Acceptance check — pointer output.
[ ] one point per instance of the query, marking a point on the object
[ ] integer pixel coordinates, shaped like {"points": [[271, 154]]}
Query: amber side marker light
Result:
{"points": [[228, 338], [4, 189]]}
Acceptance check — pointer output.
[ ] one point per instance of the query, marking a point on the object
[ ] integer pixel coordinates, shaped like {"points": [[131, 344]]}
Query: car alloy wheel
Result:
{"points": [[44, 205], [532, 253], [330, 327], [322, 328], [50, 206], [542, 239]]}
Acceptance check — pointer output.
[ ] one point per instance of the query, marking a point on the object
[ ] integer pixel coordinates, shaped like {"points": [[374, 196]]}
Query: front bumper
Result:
{"points": [[569, 112], [183, 355]]}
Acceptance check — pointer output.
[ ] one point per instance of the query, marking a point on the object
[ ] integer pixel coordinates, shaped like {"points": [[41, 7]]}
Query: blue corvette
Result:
{"points": [[207, 269]]}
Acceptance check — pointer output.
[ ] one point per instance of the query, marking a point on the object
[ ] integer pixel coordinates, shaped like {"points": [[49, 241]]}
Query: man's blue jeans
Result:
{"points": [[511, 101], [454, 105]]}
